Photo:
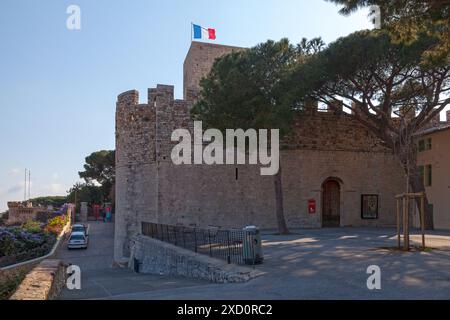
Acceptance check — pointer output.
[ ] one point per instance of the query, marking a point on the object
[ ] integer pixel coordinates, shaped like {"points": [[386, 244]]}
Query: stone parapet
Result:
{"points": [[157, 257], [44, 282]]}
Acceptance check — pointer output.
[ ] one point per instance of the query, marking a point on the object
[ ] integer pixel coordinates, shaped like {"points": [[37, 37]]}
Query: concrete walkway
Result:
{"points": [[309, 264], [99, 280]]}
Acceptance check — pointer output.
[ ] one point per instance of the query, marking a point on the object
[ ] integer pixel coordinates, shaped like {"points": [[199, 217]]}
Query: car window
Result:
{"points": [[77, 237]]}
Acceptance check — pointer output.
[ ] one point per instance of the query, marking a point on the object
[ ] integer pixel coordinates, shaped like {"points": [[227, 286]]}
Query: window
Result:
{"points": [[428, 144], [369, 206], [421, 145], [76, 237], [428, 176], [422, 173], [424, 144]]}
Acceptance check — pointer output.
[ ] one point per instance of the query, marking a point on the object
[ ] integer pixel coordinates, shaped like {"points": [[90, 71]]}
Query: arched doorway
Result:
{"points": [[331, 203]]}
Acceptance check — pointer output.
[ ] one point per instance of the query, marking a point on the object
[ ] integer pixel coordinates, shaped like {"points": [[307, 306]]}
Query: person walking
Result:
{"points": [[108, 214]]}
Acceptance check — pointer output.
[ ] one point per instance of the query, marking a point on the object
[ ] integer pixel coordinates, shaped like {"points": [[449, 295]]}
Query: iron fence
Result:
{"points": [[224, 244]]}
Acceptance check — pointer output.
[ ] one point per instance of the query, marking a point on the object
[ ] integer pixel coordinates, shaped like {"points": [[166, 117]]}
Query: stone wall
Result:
{"points": [[211, 195], [322, 145], [18, 213], [44, 282], [157, 257], [84, 210], [331, 132]]}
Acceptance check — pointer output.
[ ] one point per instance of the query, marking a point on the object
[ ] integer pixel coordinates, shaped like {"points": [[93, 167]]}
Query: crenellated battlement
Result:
{"points": [[130, 98], [143, 130]]}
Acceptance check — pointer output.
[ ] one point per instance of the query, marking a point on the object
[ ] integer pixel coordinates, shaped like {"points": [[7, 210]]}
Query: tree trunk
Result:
{"points": [[282, 228], [417, 186], [408, 158]]}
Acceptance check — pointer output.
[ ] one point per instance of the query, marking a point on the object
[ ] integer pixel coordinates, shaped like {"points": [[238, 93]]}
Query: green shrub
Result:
{"points": [[11, 279], [3, 218], [32, 226]]}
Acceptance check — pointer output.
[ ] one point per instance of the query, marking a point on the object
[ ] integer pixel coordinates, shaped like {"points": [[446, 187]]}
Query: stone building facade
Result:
{"points": [[20, 213], [332, 169]]}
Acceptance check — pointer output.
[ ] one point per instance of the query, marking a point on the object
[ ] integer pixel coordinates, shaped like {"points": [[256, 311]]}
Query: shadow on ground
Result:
{"points": [[309, 264]]}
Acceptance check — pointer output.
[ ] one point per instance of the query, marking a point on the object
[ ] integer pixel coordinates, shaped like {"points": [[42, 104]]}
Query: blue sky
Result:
{"points": [[59, 87]]}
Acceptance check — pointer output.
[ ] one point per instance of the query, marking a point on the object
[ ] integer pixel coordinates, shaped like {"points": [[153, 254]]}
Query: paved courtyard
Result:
{"points": [[309, 264]]}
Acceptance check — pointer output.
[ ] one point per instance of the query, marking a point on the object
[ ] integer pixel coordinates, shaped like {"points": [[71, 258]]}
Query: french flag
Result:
{"points": [[204, 33]]}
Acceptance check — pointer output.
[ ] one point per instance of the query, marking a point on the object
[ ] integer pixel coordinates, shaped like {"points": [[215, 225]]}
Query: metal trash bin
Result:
{"points": [[136, 265], [252, 248]]}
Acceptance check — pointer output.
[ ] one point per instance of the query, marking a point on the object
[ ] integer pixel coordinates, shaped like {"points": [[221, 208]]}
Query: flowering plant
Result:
{"points": [[56, 224], [14, 240]]}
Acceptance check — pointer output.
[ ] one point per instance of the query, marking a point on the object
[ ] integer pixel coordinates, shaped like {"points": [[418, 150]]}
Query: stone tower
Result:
{"points": [[143, 142], [198, 63]]}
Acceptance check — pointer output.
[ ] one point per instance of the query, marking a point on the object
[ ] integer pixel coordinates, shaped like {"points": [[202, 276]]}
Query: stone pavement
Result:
{"points": [[332, 264], [309, 264]]}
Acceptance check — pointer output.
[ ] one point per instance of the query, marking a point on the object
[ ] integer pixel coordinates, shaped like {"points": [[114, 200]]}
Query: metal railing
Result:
{"points": [[218, 243]]}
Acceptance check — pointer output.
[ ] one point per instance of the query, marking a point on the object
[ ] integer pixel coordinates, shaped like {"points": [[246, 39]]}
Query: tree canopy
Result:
{"points": [[82, 192], [100, 171], [56, 201], [373, 77], [99, 167], [99, 177], [376, 77], [406, 20], [241, 89]]}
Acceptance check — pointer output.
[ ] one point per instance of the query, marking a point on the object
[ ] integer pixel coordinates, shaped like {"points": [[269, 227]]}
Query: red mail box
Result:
{"points": [[312, 206]]}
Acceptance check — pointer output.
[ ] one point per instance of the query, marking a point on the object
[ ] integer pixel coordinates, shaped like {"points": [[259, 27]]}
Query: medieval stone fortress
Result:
{"points": [[333, 168], [299, 168]]}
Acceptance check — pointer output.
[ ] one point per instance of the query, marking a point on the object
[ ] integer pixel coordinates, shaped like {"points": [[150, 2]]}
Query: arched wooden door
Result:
{"points": [[331, 204]]}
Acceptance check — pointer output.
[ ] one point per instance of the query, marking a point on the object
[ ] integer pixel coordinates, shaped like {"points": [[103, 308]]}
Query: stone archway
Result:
{"points": [[331, 203]]}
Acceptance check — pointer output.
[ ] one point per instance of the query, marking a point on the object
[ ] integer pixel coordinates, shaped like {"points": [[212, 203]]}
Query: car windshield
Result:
{"points": [[78, 228], [77, 237]]}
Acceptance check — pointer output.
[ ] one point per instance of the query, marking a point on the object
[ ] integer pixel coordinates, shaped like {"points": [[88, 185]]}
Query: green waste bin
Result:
{"points": [[252, 246]]}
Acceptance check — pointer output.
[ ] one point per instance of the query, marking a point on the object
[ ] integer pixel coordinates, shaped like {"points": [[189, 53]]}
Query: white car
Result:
{"points": [[78, 240], [80, 228]]}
